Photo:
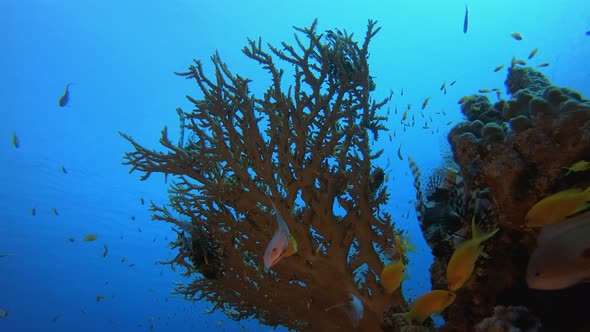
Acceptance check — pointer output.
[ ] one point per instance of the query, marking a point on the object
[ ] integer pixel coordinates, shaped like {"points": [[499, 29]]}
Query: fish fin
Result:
{"points": [[478, 235], [484, 254], [582, 207], [291, 246]]}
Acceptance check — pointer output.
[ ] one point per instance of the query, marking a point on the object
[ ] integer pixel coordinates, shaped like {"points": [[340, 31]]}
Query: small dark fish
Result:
{"points": [[54, 210], [63, 100], [588, 33], [132, 217], [63, 170], [106, 251], [33, 212], [15, 141], [141, 201], [466, 20], [453, 83]]}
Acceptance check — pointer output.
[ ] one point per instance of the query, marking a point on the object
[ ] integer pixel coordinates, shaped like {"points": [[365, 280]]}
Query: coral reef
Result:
{"points": [[302, 147], [510, 319], [509, 156]]}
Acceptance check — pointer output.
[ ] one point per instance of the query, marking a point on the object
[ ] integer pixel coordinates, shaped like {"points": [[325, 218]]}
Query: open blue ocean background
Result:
{"points": [[121, 56]]}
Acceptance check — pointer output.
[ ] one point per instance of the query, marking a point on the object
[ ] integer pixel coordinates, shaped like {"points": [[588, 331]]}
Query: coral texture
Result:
{"points": [[304, 147], [510, 156]]}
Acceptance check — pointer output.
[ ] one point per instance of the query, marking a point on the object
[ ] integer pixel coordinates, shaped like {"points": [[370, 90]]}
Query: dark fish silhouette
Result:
{"points": [[588, 33], [466, 20], [63, 100]]}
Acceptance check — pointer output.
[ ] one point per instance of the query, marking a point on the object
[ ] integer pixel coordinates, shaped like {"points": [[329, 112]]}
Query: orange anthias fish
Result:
{"points": [[433, 302], [282, 243], [463, 260], [392, 276], [557, 207], [562, 256]]}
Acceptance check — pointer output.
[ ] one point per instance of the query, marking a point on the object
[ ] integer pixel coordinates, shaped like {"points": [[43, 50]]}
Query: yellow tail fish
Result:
{"points": [[557, 207], [463, 260], [433, 302]]}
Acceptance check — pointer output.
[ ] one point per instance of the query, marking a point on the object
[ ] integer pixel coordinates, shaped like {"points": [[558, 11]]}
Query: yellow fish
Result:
{"points": [[557, 207], [433, 302], [90, 237], [392, 276], [463, 260], [533, 52], [425, 103], [579, 166]]}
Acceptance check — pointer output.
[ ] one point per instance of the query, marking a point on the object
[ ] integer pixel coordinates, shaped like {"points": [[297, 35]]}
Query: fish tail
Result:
{"points": [[478, 235]]}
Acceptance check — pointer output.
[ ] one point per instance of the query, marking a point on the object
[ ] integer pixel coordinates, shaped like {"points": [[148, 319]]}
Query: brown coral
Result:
{"points": [[518, 166], [304, 147]]}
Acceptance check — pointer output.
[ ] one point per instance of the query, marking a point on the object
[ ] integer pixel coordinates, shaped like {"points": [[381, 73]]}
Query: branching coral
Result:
{"points": [[306, 150]]}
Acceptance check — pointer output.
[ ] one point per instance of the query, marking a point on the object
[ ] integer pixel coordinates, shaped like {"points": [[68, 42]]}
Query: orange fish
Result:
{"points": [[392, 276], [464, 257], [555, 208]]}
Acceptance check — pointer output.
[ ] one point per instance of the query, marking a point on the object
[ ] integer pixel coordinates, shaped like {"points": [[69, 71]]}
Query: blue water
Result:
{"points": [[121, 56]]}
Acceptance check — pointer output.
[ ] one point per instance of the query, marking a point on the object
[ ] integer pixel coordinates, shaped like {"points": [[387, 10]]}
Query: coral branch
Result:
{"points": [[306, 149]]}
